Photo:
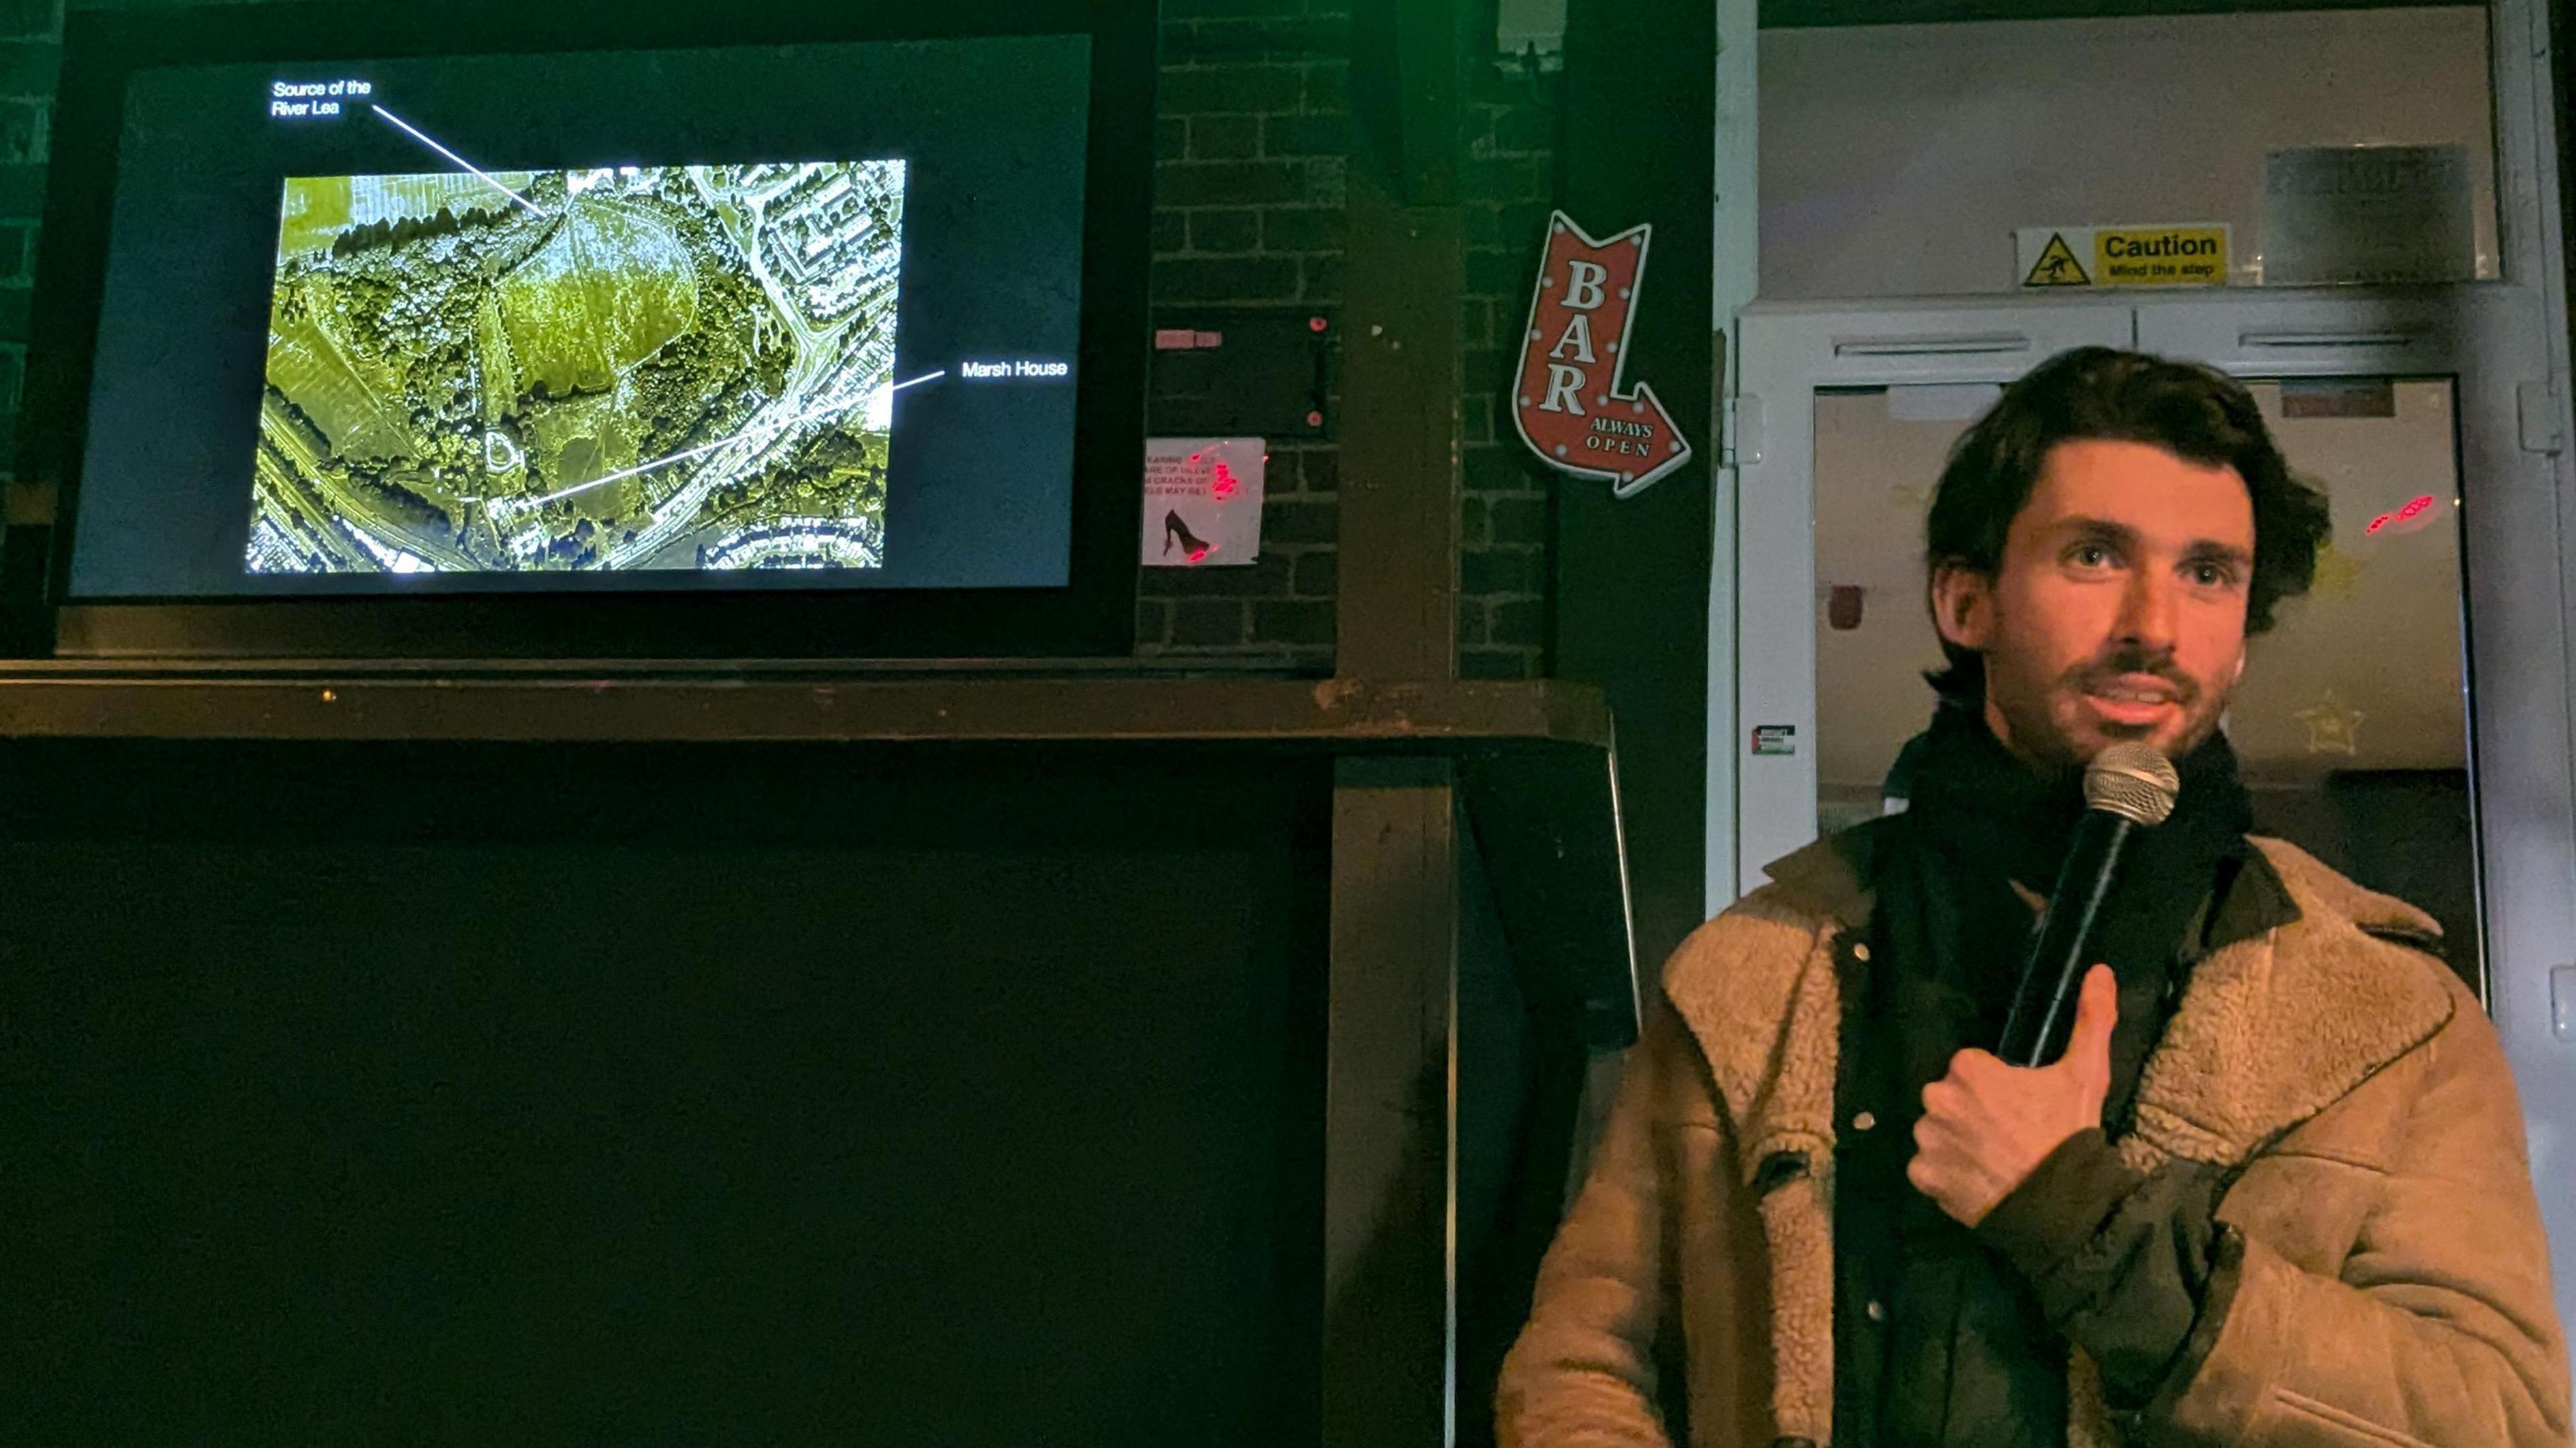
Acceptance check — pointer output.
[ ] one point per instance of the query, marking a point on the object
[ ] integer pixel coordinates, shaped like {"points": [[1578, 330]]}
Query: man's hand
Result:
{"points": [[1986, 1125]]}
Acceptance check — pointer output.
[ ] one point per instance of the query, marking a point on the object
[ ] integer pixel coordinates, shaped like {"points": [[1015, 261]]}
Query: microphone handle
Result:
{"points": [[2043, 1009]]}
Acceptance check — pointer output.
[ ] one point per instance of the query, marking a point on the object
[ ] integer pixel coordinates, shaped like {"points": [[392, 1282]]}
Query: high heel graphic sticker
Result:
{"points": [[1202, 501], [1176, 531]]}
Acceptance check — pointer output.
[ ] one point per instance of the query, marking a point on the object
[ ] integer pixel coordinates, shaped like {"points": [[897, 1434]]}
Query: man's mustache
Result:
{"points": [[2106, 672]]}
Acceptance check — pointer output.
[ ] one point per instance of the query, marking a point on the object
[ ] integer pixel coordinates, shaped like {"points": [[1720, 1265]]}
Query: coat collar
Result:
{"points": [[2307, 1002], [2273, 1030], [1837, 876]]}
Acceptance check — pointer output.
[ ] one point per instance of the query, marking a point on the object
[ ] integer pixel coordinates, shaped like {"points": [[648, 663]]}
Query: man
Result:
{"points": [[2275, 1190]]}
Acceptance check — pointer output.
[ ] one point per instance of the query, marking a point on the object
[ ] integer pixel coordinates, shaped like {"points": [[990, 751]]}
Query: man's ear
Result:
{"points": [[1963, 605]]}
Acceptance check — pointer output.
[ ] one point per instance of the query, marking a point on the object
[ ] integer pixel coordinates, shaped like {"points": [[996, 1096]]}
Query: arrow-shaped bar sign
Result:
{"points": [[1569, 407]]}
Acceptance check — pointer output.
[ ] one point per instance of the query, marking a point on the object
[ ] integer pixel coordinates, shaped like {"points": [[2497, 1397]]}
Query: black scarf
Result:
{"points": [[1982, 821], [1969, 1359]]}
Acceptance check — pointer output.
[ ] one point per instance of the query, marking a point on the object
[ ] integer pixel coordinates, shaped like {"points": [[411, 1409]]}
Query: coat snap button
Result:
{"points": [[1877, 1311], [1864, 1122], [1861, 954]]}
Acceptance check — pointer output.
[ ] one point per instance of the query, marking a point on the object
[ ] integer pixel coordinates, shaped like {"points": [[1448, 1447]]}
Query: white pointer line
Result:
{"points": [[677, 457], [418, 135]]}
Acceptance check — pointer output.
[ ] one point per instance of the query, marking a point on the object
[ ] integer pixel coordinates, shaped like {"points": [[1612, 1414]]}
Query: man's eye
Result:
{"points": [[2212, 575], [2090, 555]]}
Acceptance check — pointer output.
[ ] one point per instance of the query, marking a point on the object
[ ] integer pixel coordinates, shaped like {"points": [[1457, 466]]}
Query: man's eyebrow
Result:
{"points": [[2104, 529], [2213, 550]]}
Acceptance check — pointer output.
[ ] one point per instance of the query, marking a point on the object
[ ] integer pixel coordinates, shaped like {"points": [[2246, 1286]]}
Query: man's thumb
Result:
{"points": [[2097, 1010]]}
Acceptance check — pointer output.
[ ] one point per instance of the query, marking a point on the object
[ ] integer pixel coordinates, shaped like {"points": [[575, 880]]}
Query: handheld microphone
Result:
{"points": [[2128, 787]]}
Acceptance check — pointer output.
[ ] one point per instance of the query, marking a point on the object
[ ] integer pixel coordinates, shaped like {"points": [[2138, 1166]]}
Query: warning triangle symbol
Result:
{"points": [[2057, 266]]}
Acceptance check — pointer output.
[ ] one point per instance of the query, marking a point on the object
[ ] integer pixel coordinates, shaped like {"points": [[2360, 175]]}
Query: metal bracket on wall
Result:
{"points": [[1243, 372], [2536, 406], [1530, 35], [1742, 445]]}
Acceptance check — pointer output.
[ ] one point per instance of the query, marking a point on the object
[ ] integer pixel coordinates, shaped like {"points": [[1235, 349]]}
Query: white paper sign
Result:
{"points": [[1202, 501], [2368, 214]]}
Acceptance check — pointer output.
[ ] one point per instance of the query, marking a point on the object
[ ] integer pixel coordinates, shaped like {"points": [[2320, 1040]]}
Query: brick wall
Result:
{"points": [[1252, 158], [1255, 133], [1252, 144], [1504, 523]]}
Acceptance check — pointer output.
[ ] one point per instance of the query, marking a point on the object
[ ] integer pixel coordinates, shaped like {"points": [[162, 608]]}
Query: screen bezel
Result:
{"points": [[1094, 615]]}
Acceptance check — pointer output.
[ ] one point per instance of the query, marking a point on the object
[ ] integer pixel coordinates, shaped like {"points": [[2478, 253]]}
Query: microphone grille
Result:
{"points": [[2133, 781]]}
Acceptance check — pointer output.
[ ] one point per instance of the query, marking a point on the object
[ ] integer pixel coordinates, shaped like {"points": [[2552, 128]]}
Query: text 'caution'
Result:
{"points": [[2194, 255]]}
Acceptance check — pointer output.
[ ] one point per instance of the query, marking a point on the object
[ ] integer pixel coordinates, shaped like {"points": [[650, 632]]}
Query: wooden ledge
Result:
{"points": [[778, 703]]}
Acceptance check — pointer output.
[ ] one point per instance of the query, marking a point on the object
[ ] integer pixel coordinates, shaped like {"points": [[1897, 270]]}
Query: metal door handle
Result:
{"points": [[1988, 344], [2313, 340]]}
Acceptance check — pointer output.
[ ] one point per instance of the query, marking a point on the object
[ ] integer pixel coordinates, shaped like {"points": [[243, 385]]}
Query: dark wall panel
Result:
{"points": [[650, 1096]]}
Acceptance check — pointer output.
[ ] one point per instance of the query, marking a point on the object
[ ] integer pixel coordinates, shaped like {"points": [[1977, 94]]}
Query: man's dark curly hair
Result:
{"points": [[2197, 413]]}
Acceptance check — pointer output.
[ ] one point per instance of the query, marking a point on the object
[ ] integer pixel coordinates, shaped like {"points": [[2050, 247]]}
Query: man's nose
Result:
{"points": [[2147, 610]]}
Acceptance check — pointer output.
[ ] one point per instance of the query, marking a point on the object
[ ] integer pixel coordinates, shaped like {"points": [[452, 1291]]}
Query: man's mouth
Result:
{"points": [[2131, 699]]}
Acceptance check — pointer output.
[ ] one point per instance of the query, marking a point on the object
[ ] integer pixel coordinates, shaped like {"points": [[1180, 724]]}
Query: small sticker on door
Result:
{"points": [[1775, 738]]}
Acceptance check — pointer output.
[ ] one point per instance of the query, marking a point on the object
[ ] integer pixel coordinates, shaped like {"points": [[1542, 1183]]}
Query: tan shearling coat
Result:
{"points": [[2393, 1288]]}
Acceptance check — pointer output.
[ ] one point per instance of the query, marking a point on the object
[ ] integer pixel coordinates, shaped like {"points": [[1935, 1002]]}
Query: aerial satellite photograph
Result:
{"points": [[618, 369]]}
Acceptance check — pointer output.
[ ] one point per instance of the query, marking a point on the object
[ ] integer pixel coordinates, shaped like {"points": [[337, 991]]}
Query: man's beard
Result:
{"points": [[2038, 733]]}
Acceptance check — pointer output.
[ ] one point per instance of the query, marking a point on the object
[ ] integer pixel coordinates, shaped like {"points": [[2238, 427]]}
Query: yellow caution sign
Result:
{"points": [[2056, 267], [2181, 255]]}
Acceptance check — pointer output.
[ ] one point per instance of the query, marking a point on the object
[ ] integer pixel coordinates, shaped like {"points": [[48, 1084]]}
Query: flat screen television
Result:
{"points": [[591, 331]]}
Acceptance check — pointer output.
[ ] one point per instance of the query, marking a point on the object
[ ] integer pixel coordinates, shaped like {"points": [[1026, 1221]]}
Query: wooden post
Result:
{"points": [[1390, 1311]]}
